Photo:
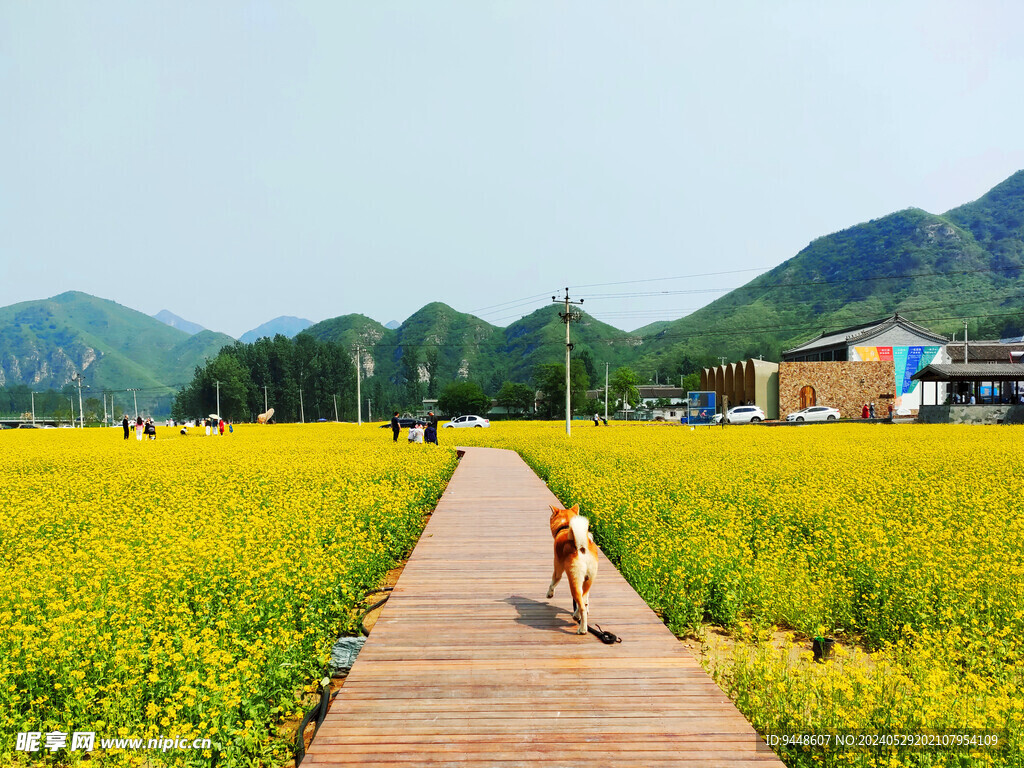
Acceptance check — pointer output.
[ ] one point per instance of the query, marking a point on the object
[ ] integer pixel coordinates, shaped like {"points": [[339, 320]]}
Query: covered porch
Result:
{"points": [[972, 393]]}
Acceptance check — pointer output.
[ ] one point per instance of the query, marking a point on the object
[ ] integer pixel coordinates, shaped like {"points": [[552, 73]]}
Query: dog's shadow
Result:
{"points": [[540, 615]]}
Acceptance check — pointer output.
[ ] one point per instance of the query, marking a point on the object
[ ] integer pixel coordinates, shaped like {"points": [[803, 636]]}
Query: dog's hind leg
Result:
{"points": [[556, 577], [577, 586]]}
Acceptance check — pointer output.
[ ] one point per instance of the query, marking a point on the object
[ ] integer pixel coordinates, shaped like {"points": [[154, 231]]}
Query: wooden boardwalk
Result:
{"points": [[470, 665]]}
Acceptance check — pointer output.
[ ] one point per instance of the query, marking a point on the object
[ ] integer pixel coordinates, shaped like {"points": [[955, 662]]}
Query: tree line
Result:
{"points": [[304, 379]]}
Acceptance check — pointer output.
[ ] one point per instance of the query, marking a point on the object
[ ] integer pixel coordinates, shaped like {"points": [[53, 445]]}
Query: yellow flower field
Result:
{"points": [[190, 586], [902, 541]]}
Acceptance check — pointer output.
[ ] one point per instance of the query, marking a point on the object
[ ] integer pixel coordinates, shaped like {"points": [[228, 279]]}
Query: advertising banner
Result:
{"points": [[907, 361], [700, 407]]}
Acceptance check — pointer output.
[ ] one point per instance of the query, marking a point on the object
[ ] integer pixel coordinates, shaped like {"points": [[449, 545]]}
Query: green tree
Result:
{"points": [[463, 397], [624, 385], [411, 377], [550, 380], [517, 398], [691, 382]]}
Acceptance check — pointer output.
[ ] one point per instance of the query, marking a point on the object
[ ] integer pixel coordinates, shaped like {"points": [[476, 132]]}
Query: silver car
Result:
{"points": [[815, 413]]}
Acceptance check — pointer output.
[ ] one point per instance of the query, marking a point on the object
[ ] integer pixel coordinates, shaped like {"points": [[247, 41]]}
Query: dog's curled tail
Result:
{"points": [[579, 527]]}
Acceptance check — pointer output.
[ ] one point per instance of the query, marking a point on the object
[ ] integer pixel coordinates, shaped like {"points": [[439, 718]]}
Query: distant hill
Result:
{"points": [[43, 343], [169, 318], [934, 269], [455, 345], [286, 325]]}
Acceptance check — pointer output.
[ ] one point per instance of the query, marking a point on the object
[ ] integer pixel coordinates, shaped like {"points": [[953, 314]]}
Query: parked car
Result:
{"points": [[815, 413], [744, 414], [404, 423], [468, 421]]}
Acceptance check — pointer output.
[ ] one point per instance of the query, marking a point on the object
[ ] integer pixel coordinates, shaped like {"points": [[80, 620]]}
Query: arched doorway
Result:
{"points": [[807, 397]]}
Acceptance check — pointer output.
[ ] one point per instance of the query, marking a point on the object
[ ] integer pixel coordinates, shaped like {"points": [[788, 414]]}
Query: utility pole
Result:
{"points": [[81, 415], [264, 398], [369, 410], [606, 393], [568, 317], [302, 409], [965, 342], [133, 391], [335, 398], [218, 400], [359, 390], [33, 407]]}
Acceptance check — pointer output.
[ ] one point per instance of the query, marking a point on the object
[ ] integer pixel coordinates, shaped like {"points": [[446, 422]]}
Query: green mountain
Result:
{"points": [[934, 270], [441, 344], [43, 343]]}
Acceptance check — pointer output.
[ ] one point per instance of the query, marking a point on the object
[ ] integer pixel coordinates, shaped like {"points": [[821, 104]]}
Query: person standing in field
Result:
{"points": [[125, 426], [395, 426], [220, 426], [430, 433], [138, 427]]}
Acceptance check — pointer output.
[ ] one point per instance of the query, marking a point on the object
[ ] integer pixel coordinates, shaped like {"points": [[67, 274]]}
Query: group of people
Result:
{"points": [[424, 431], [145, 428], [868, 411], [213, 426]]}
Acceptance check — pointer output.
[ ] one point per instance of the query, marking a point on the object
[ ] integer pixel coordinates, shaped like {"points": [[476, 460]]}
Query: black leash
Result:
{"points": [[605, 637]]}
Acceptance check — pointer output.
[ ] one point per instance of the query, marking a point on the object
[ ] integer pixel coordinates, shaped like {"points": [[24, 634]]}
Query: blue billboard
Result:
{"points": [[700, 407]]}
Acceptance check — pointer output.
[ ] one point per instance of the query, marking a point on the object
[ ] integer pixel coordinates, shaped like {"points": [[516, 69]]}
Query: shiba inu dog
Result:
{"points": [[576, 556]]}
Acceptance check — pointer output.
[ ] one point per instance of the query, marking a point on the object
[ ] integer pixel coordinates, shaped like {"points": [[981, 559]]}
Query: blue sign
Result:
{"points": [[700, 407]]}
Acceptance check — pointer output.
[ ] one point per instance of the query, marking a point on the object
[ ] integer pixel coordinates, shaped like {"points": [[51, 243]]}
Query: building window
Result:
{"points": [[807, 397]]}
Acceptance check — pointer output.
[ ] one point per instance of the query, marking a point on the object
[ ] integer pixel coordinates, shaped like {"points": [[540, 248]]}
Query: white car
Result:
{"points": [[815, 413], [467, 421], [744, 414]]}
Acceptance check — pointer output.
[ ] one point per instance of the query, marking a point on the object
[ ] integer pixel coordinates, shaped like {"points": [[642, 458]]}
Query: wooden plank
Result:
{"points": [[470, 665]]}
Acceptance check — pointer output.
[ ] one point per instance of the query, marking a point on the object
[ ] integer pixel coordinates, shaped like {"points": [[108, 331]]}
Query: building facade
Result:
{"points": [[908, 347]]}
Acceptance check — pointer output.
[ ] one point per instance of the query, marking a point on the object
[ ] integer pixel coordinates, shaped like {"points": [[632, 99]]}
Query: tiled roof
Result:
{"points": [[970, 372], [860, 333]]}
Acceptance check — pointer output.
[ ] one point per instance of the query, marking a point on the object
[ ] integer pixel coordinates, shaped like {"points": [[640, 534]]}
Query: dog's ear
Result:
{"points": [[575, 508], [554, 510]]}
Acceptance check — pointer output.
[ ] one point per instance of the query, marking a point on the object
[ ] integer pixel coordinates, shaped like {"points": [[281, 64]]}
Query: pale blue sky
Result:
{"points": [[321, 158]]}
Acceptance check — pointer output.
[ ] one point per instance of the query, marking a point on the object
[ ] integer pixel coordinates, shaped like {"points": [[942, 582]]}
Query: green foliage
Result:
{"points": [[324, 373], [550, 380], [463, 397], [517, 398], [624, 386]]}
